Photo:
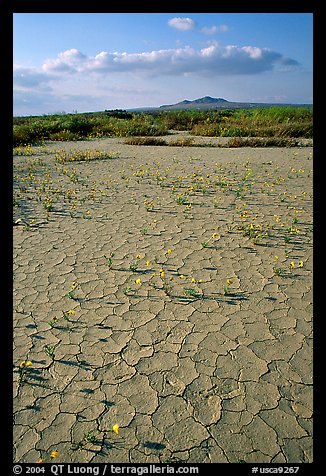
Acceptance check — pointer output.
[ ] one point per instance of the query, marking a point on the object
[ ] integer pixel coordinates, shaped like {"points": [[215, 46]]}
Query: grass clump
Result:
{"points": [[262, 142], [145, 141], [81, 156]]}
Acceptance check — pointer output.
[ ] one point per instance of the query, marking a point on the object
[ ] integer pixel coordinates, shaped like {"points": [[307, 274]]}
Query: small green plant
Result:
{"points": [[149, 205], [133, 267], [53, 322], [127, 290], [87, 215], [88, 438], [192, 293], [279, 271], [230, 227], [50, 351], [182, 200], [71, 293], [67, 314], [23, 370], [48, 204], [227, 286], [214, 236], [109, 260]]}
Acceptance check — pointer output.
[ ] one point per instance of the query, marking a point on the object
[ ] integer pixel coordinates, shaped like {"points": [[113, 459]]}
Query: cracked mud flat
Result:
{"points": [[210, 377]]}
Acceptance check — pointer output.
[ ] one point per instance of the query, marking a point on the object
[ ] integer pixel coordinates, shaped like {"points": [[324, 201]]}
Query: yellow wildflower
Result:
{"points": [[215, 236], [138, 281], [115, 428], [71, 312], [147, 263], [292, 264], [300, 264], [169, 251], [229, 281], [54, 454], [25, 363]]}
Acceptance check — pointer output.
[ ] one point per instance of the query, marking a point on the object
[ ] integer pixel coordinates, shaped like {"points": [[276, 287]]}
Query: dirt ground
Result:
{"points": [[166, 290]]}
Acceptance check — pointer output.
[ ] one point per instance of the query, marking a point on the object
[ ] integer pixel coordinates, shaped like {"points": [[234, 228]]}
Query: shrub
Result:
{"points": [[23, 135], [64, 136], [77, 125], [118, 113]]}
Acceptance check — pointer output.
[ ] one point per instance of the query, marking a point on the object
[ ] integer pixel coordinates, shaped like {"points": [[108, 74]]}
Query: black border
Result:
{"points": [[236, 6]]}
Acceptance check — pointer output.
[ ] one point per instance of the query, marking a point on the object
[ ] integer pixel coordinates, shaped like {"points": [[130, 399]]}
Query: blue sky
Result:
{"points": [[95, 61]]}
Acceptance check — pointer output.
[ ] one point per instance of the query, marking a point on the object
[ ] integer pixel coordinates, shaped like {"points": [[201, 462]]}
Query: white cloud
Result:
{"points": [[214, 29], [69, 60], [181, 23], [213, 60]]}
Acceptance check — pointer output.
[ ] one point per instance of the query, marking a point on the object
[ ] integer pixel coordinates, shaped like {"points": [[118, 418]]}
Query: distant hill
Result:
{"points": [[207, 102]]}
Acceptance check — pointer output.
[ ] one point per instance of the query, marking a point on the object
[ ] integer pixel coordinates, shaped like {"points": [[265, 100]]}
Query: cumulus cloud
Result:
{"points": [[212, 60], [214, 29], [69, 60], [182, 23]]}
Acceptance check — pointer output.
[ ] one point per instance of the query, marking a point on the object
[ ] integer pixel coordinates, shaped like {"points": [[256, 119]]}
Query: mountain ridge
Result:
{"points": [[207, 101]]}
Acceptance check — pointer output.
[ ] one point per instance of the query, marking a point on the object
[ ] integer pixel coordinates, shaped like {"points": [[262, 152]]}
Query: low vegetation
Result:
{"points": [[272, 122]]}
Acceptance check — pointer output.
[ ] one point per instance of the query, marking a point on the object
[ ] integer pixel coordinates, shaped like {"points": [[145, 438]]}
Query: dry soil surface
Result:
{"points": [[167, 290]]}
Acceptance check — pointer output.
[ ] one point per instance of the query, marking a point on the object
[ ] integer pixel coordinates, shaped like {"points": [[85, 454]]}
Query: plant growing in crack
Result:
{"points": [[227, 286], [23, 370], [127, 290], [214, 236], [87, 438], [67, 314], [279, 271], [133, 267], [71, 294], [53, 455], [191, 292], [91, 438], [166, 284], [109, 260], [50, 351], [53, 322]]}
